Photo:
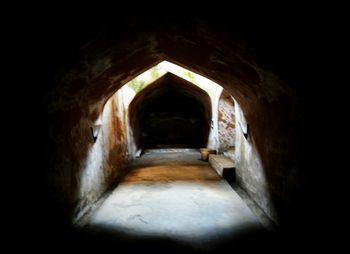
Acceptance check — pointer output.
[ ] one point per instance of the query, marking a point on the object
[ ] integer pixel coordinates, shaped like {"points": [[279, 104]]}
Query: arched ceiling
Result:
{"points": [[119, 53], [110, 60]]}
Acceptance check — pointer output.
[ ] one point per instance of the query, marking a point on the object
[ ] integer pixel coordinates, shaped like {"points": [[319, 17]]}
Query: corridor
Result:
{"points": [[97, 91], [177, 201]]}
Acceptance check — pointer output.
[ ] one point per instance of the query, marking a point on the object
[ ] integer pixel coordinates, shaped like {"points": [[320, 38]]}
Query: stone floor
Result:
{"points": [[174, 201]]}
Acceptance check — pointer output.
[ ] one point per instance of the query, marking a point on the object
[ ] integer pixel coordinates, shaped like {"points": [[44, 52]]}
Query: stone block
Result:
{"points": [[223, 165]]}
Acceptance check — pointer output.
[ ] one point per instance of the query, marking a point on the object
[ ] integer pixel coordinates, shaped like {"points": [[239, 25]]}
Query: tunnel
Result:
{"points": [[170, 113], [90, 61]]}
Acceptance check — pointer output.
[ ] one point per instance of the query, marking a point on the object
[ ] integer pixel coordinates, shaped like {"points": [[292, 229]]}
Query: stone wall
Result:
{"points": [[226, 122], [85, 167], [249, 168]]}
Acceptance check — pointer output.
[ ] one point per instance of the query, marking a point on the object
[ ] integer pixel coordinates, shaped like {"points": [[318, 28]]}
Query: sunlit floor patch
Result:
{"points": [[185, 202]]}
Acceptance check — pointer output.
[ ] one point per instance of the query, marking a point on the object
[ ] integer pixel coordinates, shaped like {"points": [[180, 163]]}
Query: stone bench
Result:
{"points": [[223, 165]]}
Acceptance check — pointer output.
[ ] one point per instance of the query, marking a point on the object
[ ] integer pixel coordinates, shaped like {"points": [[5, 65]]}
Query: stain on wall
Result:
{"points": [[99, 162], [226, 122]]}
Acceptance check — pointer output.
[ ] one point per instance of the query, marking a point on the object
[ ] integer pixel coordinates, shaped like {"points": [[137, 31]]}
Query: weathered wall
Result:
{"points": [[226, 122], [107, 157], [249, 169], [86, 168]]}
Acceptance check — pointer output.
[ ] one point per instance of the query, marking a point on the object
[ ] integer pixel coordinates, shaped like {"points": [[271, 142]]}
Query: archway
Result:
{"points": [[171, 112]]}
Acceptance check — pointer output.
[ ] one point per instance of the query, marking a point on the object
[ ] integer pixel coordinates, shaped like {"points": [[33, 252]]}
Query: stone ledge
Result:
{"points": [[223, 165]]}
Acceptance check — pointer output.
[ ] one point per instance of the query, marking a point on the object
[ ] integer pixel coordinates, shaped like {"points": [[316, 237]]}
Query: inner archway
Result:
{"points": [[171, 112]]}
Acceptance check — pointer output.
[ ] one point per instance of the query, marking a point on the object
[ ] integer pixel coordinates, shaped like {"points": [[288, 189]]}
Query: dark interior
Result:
{"points": [[171, 113]]}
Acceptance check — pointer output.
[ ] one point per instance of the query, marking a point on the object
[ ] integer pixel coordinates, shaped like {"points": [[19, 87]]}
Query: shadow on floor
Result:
{"points": [[98, 238]]}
